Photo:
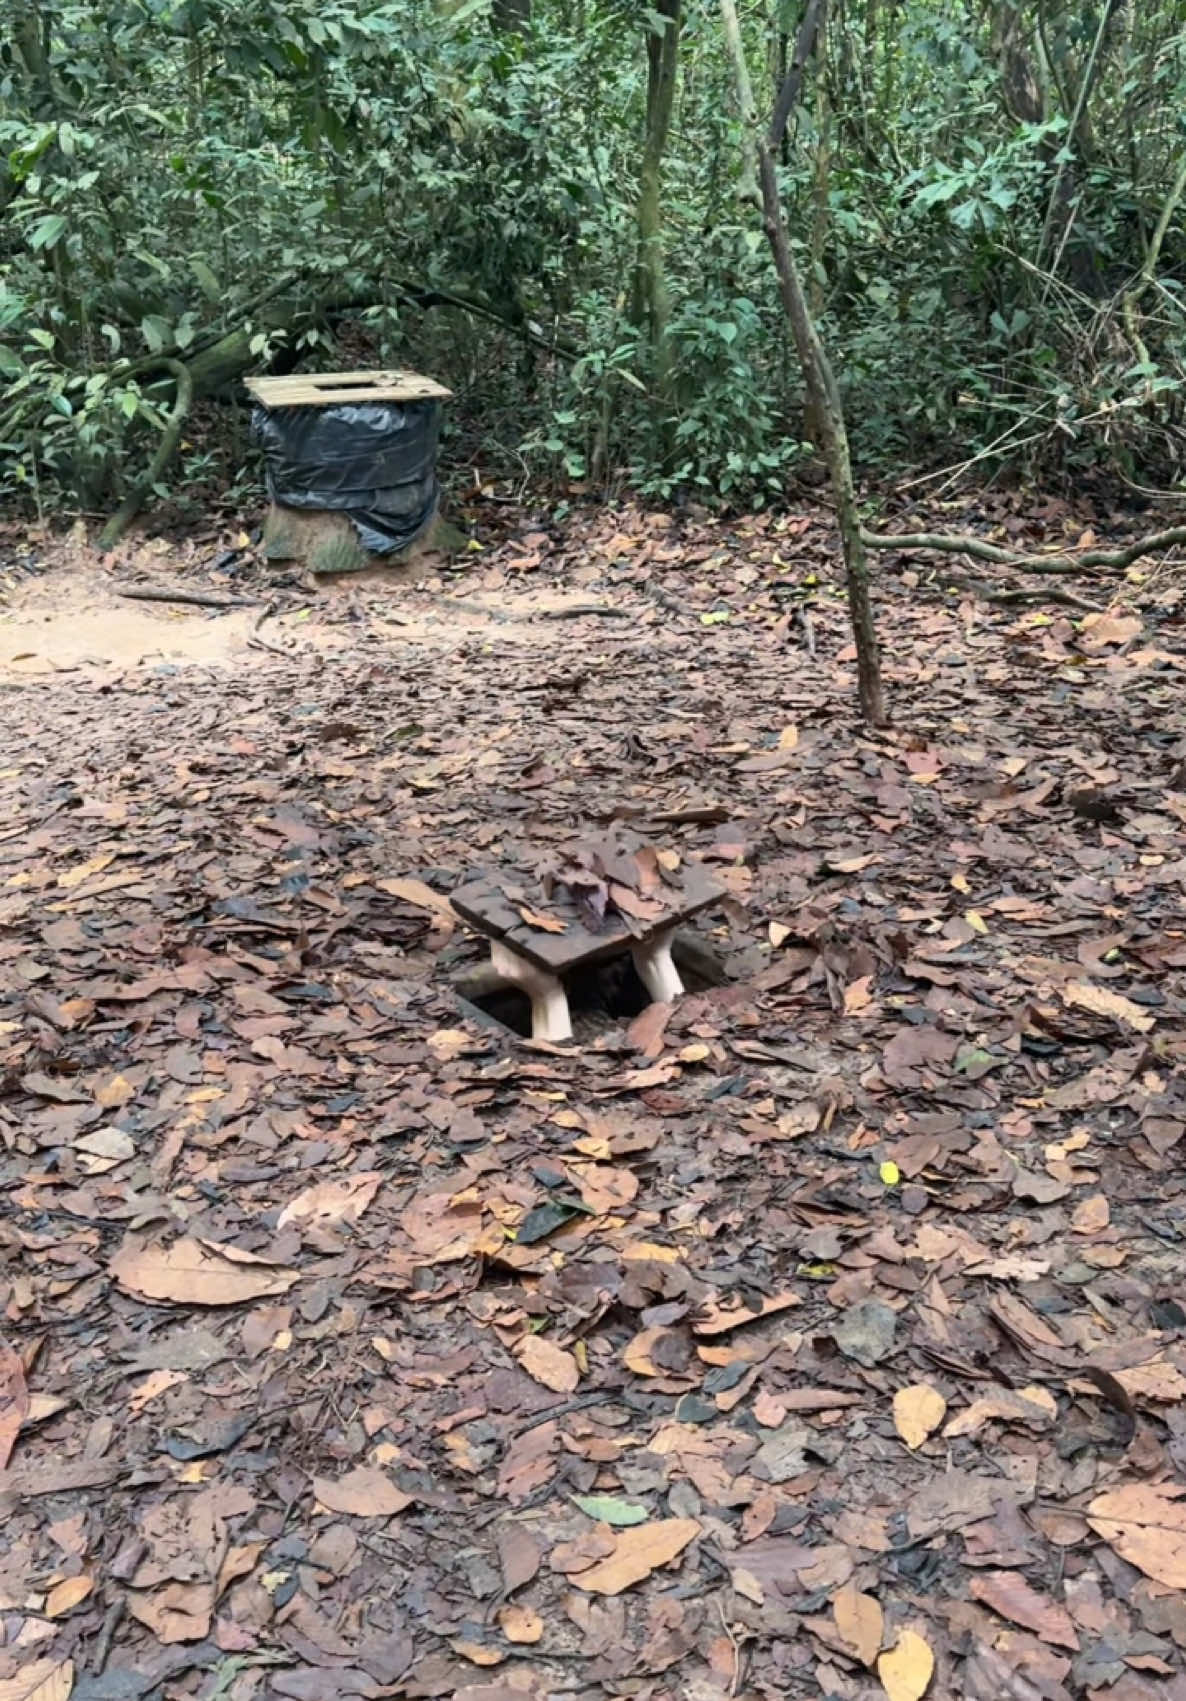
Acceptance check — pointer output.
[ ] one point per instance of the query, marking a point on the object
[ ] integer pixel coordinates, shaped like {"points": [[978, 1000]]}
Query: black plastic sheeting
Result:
{"points": [[374, 461]]}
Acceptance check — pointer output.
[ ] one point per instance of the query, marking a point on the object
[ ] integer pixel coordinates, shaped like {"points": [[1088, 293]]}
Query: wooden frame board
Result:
{"points": [[485, 906], [331, 389]]}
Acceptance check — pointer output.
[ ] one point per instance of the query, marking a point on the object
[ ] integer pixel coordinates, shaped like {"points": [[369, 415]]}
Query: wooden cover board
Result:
{"points": [[484, 904], [330, 389]]}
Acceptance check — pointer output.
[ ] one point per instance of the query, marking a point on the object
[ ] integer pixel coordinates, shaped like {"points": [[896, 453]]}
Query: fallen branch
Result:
{"points": [[1022, 597], [198, 598], [579, 608], [1116, 559]]}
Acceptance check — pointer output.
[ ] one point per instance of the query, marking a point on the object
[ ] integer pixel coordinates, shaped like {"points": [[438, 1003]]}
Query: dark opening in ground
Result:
{"points": [[598, 998]]}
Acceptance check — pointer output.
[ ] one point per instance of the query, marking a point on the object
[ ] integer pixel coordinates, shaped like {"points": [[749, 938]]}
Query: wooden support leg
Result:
{"points": [[550, 1019], [656, 970]]}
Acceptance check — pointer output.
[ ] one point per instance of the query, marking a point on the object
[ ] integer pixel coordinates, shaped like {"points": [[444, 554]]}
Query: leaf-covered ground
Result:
{"points": [[821, 1330]]}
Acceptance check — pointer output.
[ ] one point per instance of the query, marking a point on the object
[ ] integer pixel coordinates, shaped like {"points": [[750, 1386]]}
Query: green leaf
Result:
{"points": [[207, 282], [607, 1509], [47, 232]]}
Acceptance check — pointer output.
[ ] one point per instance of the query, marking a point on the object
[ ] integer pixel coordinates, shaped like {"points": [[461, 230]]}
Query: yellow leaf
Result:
{"points": [[694, 1053], [906, 1670], [637, 1552], [75, 876], [918, 1412], [65, 1596], [778, 931], [650, 1251], [890, 1173], [860, 1622], [520, 1624], [976, 921], [788, 738], [960, 884]]}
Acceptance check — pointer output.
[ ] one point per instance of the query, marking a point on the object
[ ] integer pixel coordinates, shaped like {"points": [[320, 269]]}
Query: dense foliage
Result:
{"points": [[543, 202]]}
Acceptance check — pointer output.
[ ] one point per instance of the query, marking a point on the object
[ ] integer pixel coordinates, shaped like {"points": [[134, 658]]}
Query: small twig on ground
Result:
{"points": [[198, 598], [255, 642], [106, 1636], [578, 608], [565, 1408], [735, 1685]]}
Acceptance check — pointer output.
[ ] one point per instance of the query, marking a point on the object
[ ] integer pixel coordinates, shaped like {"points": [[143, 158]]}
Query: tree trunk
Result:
{"points": [[822, 390], [650, 303]]}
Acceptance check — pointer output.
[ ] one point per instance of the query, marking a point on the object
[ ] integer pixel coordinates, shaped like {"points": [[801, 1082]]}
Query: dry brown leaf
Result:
{"points": [[604, 1188], [769, 760], [1008, 1593], [548, 1364], [180, 1612], [638, 1552], [156, 1383], [1034, 1405], [420, 896], [1157, 1381], [643, 909], [542, 923], [906, 1670], [191, 1272], [332, 1201], [477, 1653], [365, 1492], [66, 1595], [1091, 1215], [40, 1680], [918, 1412], [858, 995], [1097, 630], [520, 1624], [860, 1622], [719, 1319], [14, 1400], [646, 1031], [518, 1555], [1146, 1524], [117, 1091], [1101, 1002]]}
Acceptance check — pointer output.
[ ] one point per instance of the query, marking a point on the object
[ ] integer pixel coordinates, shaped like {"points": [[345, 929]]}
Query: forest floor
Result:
{"points": [[818, 1330]]}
